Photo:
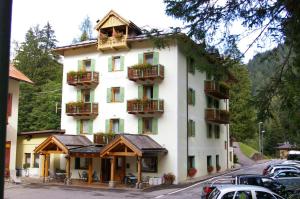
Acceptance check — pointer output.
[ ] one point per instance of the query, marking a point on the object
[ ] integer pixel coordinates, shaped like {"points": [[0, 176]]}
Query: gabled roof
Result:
{"points": [[138, 144], [43, 132], [16, 74]]}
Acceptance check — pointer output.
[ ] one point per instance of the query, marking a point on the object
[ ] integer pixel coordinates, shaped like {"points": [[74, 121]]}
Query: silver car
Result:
{"points": [[242, 192]]}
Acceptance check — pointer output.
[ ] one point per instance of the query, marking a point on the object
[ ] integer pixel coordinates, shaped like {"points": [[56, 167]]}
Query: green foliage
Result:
{"points": [[37, 102], [242, 113], [247, 150]]}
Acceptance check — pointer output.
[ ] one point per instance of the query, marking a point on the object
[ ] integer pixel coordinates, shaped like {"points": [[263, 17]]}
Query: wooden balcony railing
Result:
{"points": [[149, 74], [145, 107], [103, 138], [82, 109], [86, 78], [217, 116], [216, 89], [110, 43]]}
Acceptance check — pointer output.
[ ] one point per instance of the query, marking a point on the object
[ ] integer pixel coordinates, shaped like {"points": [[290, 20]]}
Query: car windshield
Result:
{"points": [[214, 194]]}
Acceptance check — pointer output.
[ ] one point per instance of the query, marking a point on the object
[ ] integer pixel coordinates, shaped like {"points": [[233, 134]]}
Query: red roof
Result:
{"points": [[16, 74]]}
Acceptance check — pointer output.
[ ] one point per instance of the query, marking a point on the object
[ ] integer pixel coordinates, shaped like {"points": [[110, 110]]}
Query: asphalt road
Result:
{"points": [[55, 192]]}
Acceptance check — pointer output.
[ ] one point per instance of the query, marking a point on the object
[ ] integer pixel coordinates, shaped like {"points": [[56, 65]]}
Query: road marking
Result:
{"points": [[160, 196]]}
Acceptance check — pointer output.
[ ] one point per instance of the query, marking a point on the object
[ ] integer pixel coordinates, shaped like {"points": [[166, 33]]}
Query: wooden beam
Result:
{"points": [[121, 154], [55, 152], [47, 165], [139, 177], [90, 177], [112, 168], [68, 167]]}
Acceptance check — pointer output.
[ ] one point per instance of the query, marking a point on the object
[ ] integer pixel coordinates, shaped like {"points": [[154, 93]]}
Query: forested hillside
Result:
{"points": [[34, 57]]}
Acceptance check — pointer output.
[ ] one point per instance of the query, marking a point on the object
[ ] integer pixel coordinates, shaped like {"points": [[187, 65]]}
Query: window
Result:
{"points": [[216, 103], [148, 92], [191, 96], [263, 195], [81, 163], [191, 65], [84, 126], [217, 160], [148, 58], [191, 128], [209, 160], [149, 164], [243, 195], [114, 125], [210, 102], [36, 160], [115, 94], [86, 95], [116, 63], [209, 130], [191, 162], [228, 195], [87, 66], [217, 131], [27, 159], [147, 125]]}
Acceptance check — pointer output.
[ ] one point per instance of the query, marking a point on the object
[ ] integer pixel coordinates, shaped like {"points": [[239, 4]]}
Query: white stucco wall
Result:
{"points": [[12, 126]]}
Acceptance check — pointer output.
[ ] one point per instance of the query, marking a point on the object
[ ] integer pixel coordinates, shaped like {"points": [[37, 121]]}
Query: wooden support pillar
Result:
{"points": [[139, 177], [68, 166], [90, 177], [47, 157], [112, 168]]}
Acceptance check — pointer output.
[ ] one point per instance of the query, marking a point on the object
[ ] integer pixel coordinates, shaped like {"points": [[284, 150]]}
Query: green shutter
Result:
{"points": [[189, 96], [90, 127], [122, 63], [154, 125], [193, 97], [109, 64], [140, 58], [189, 128], [155, 58], [107, 125], [78, 127], [155, 91], [80, 65], [92, 96], [93, 63], [122, 92], [79, 95], [121, 125], [140, 125], [140, 91], [108, 95], [193, 128]]}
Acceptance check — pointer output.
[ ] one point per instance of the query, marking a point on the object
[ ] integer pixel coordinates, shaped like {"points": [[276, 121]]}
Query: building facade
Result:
{"points": [[15, 77], [121, 83]]}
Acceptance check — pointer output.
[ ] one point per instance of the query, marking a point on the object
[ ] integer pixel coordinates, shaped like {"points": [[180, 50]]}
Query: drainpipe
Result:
{"points": [[5, 28], [187, 116]]}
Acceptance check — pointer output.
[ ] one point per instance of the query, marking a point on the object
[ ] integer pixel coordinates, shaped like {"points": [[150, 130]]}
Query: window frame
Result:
{"points": [[84, 121], [27, 157], [111, 124], [113, 94], [209, 130], [114, 69], [84, 65], [217, 131], [84, 93], [191, 162], [155, 163], [145, 58], [36, 157]]}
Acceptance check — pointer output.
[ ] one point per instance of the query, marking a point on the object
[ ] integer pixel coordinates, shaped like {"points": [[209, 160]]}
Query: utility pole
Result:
{"points": [[259, 137]]}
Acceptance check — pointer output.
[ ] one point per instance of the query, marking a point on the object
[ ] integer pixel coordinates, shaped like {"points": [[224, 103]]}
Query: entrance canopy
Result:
{"points": [[132, 145]]}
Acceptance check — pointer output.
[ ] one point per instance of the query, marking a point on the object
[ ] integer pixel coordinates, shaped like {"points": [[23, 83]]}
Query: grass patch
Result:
{"points": [[247, 150]]}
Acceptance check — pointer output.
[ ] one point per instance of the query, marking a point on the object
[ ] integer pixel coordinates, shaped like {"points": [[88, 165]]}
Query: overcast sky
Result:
{"points": [[65, 16]]}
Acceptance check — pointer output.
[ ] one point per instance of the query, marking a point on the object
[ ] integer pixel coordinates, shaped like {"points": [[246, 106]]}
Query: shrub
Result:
{"points": [[210, 169], [218, 167], [169, 178], [192, 172]]}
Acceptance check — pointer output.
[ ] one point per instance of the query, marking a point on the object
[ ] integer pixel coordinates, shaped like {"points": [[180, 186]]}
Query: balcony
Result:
{"points": [[82, 110], [85, 79], [145, 108], [148, 74], [103, 138], [217, 116], [112, 43], [215, 89]]}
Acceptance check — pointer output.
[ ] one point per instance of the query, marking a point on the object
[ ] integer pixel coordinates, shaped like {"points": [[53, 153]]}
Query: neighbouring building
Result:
{"points": [[284, 148], [15, 77], [166, 116]]}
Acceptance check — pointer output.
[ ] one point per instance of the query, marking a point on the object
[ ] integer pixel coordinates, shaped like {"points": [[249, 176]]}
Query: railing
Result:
{"points": [[144, 73], [112, 42], [82, 78], [216, 89], [145, 106], [103, 138], [81, 108], [217, 116]]}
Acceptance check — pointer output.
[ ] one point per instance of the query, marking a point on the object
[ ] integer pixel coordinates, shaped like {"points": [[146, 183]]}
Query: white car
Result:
{"points": [[274, 169], [242, 192]]}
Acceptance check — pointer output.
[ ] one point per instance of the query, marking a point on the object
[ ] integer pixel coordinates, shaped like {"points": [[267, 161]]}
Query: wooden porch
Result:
{"points": [[216, 89], [217, 116], [146, 75], [147, 107], [83, 110], [83, 79]]}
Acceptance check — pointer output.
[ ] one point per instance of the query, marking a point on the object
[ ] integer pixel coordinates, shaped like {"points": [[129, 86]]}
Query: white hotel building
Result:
{"points": [[122, 84]]}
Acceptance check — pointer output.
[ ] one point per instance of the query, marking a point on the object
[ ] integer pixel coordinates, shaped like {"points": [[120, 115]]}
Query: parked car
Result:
{"points": [[242, 191], [274, 169], [246, 179], [289, 178]]}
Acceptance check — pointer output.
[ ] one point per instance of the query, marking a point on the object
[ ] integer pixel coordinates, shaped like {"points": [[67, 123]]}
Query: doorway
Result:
{"points": [[105, 170]]}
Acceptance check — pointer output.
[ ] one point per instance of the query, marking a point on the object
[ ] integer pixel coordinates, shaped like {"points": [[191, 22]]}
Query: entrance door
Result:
{"points": [[105, 170], [7, 158]]}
